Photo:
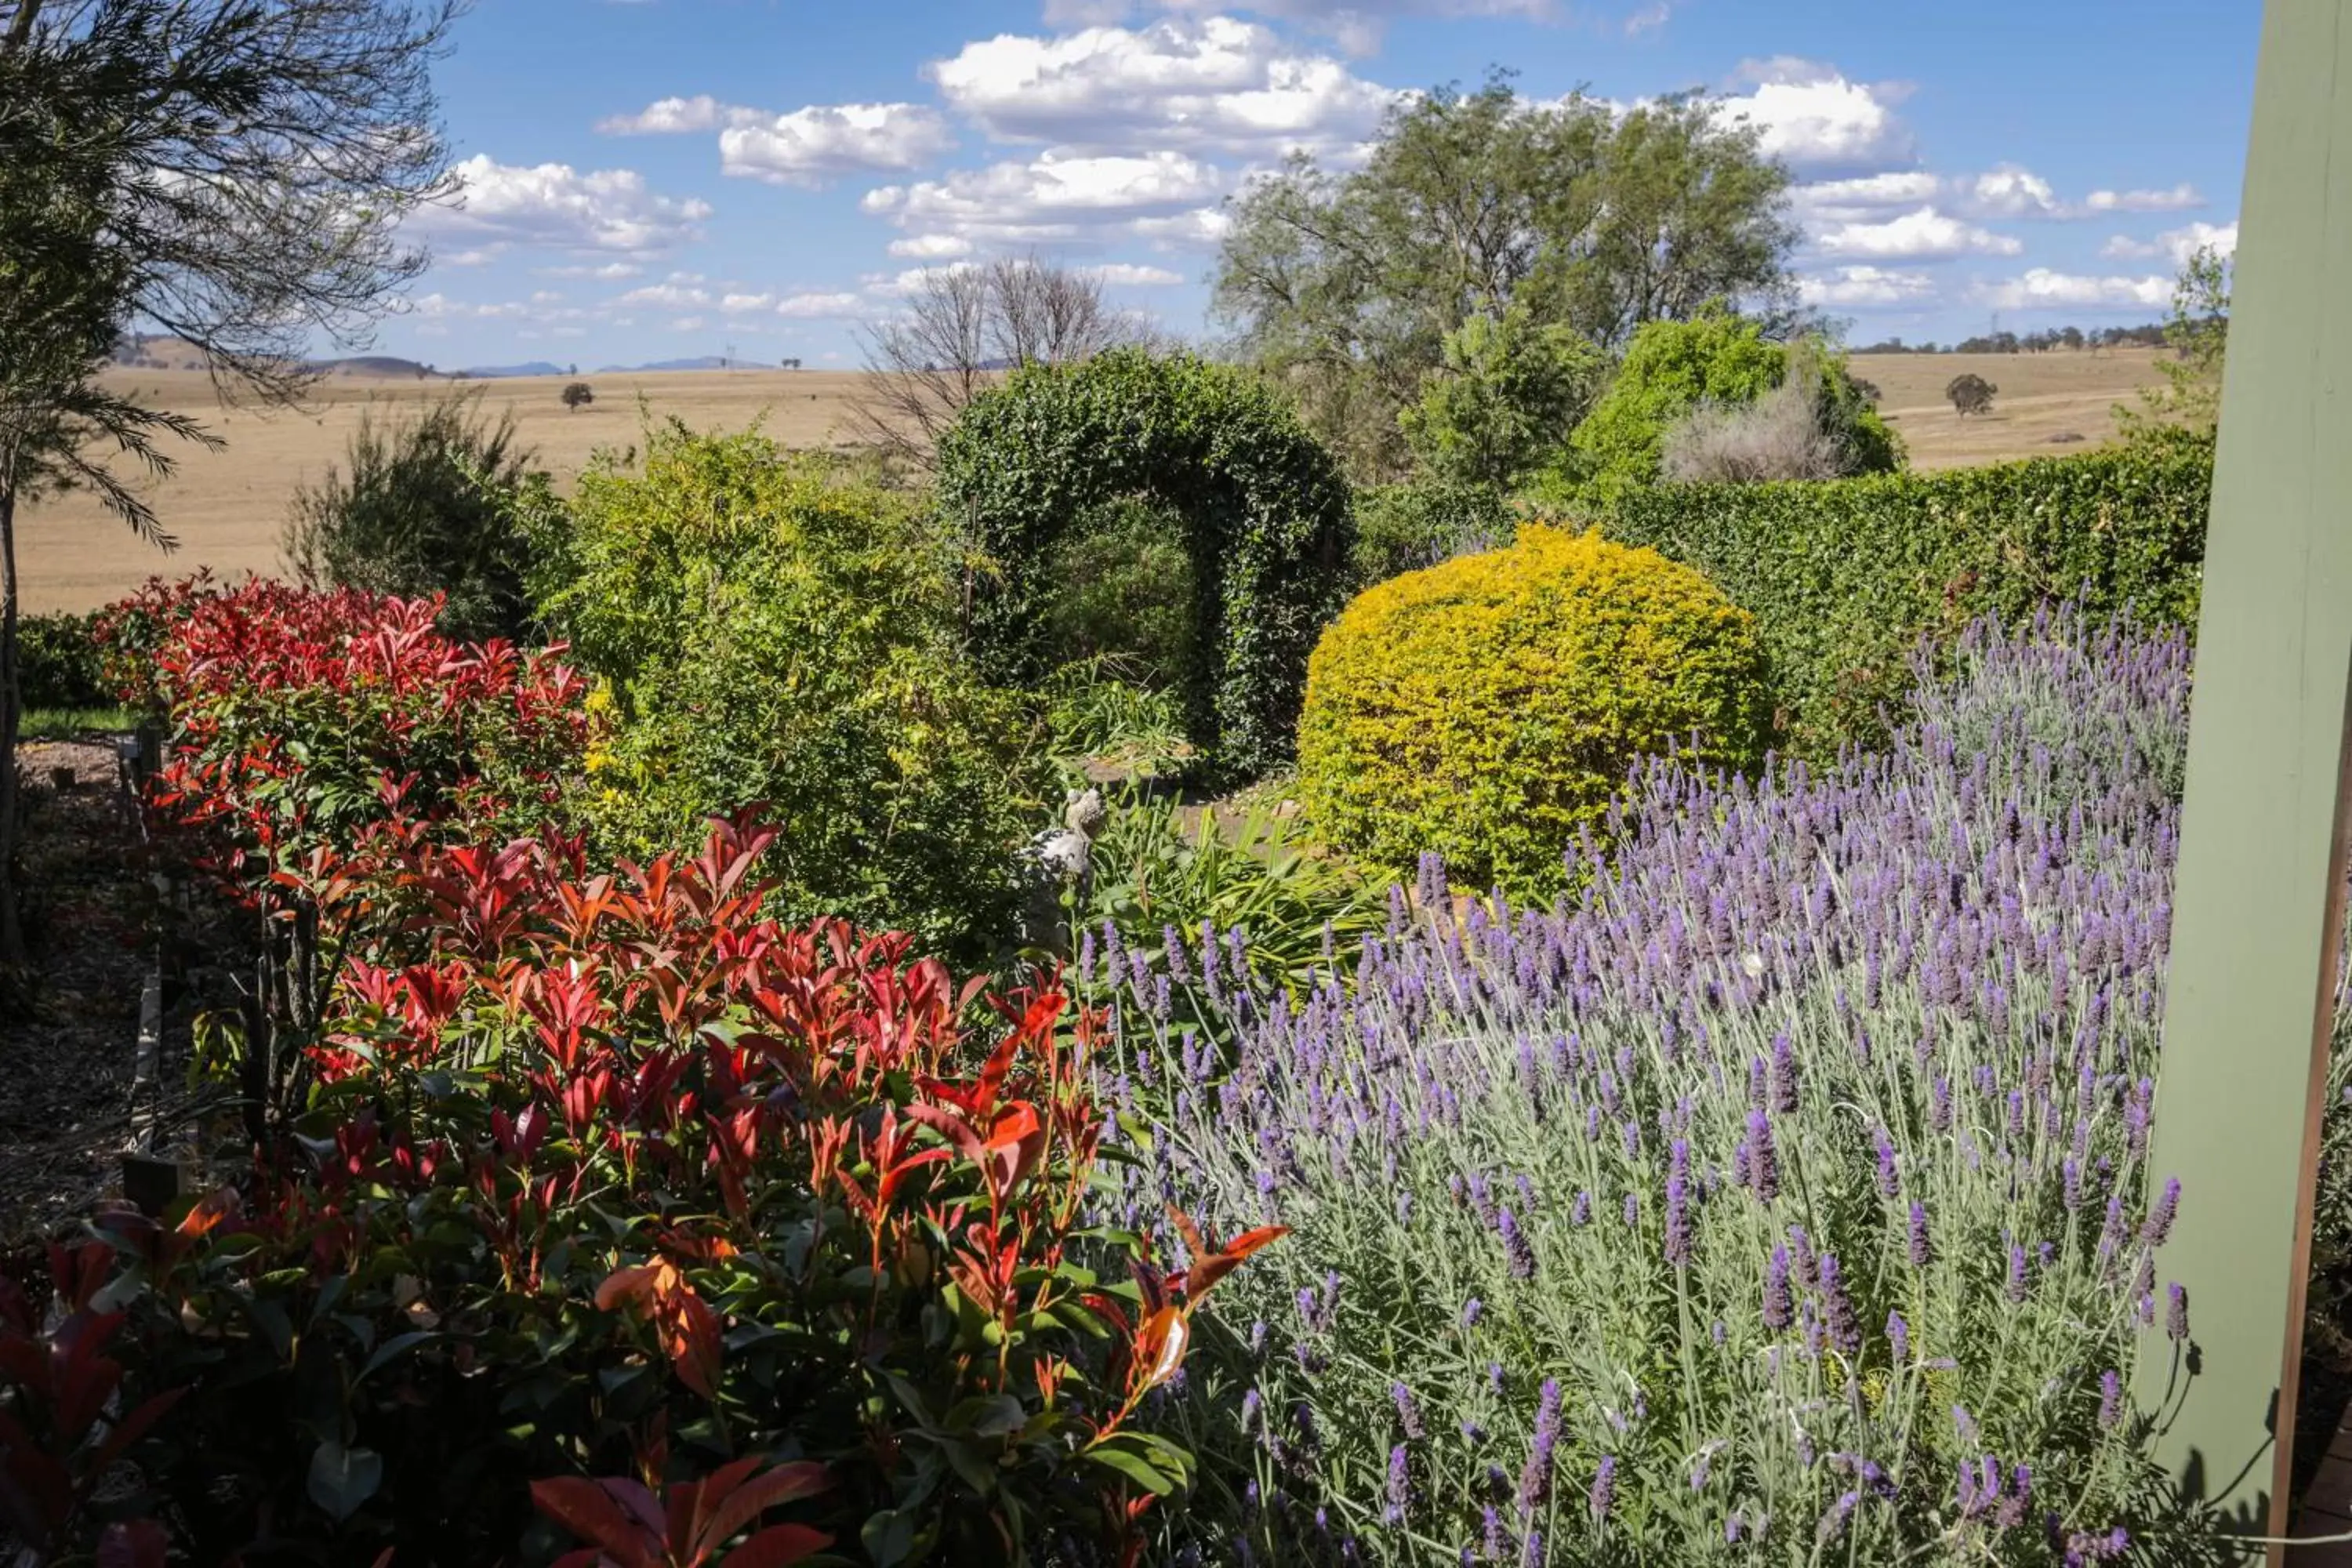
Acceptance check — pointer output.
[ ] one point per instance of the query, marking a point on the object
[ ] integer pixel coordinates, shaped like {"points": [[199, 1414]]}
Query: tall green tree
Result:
{"points": [[1505, 396], [1346, 287], [2188, 401], [232, 172]]}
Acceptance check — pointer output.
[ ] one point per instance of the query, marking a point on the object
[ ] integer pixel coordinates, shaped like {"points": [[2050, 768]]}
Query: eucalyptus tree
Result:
{"points": [[1580, 214]]}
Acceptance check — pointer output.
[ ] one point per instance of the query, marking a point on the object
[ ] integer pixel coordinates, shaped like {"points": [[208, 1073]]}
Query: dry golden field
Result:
{"points": [[2041, 396], [227, 507]]}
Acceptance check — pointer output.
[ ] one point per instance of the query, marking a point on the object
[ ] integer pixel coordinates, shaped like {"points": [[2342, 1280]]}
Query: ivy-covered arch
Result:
{"points": [[1266, 514]]}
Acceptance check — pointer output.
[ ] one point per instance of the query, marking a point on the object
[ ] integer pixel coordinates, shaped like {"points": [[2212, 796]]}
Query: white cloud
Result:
{"points": [[2042, 289], [553, 205], [675, 116], [1811, 117], [2009, 191], [1358, 25], [1118, 273], [610, 271], [686, 325], [1850, 287], [1921, 234], [2178, 244], [1868, 197], [811, 307], [2178, 198], [1214, 83], [742, 304], [810, 145], [669, 296], [1055, 196], [932, 247]]}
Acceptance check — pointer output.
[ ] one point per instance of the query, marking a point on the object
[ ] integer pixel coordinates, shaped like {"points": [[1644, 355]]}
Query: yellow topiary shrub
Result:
{"points": [[1487, 708]]}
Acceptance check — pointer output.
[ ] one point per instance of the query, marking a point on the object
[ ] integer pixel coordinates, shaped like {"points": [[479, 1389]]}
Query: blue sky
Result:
{"points": [[648, 179]]}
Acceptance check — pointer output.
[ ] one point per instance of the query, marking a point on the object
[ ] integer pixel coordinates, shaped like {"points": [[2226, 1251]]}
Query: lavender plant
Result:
{"points": [[1781, 1196]]}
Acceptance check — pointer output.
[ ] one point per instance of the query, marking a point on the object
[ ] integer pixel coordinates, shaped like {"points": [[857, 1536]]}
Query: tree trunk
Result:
{"points": [[12, 934]]}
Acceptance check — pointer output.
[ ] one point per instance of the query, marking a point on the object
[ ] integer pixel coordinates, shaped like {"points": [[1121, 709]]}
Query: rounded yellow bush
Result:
{"points": [[1487, 708]]}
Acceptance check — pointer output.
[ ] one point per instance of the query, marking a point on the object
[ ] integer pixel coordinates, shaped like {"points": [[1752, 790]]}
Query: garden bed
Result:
{"points": [[68, 1051]]}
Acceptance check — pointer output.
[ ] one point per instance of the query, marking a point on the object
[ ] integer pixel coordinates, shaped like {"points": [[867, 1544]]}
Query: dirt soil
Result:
{"points": [[67, 1048]]}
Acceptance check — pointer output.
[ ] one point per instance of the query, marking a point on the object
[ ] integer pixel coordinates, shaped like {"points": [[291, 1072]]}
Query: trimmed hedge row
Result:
{"points": [[59, 663], [1843, 577]]}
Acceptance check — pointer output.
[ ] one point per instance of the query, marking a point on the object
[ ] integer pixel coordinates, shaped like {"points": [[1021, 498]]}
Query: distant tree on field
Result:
{"points": [[1970, 393], [578, 393], [960, 326]]}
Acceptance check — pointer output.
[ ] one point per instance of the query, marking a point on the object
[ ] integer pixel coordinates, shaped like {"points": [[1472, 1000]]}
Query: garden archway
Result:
{"points": [[1264, 511]]}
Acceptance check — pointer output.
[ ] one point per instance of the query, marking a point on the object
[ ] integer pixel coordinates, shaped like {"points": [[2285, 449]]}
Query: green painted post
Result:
{"points": [[2258, 901]]}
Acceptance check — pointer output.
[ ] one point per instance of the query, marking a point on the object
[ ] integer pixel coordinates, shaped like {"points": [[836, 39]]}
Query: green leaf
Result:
{"points": [[341, 1479], [1134, 1467], [889, 1537]]}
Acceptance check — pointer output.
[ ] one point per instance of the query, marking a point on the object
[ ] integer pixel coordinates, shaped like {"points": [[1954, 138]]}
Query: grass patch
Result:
{"points": [[65, 724]]}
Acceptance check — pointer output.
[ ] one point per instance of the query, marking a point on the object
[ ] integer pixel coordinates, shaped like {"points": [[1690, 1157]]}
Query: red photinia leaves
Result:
{"points": [[1211, 1261], [688, 1329], [52, 1451], [691, 1523]]}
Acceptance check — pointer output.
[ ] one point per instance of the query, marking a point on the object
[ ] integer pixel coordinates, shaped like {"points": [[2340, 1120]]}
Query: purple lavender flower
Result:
{"points": [[1515, 1245], [1633, 1210], [1923, 1251], [1898, 1339], [2017, 1280], [1833, 1523], [1470, 1311], [1889, 1182], [1400, 1492], [1837, 1313], [2176, 1314], [1784, 1075], [1581, 1211], [1763, 1163], [1408, 1411], [1678, 1238], [1497, 1541], [1778, 1309], [1535, 1480], [2159, 1219], [1604, 1487], [2111, 1398]]}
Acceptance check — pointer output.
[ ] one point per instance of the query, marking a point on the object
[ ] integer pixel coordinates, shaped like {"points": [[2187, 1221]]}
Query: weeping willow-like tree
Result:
{"points": [[229, 173]]}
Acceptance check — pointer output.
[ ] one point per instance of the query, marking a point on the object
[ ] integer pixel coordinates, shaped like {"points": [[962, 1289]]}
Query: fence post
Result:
{"points": [[2258, 900]]}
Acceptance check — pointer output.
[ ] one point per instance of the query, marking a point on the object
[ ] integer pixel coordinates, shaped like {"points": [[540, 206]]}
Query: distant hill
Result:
{"points": [[706, 362], [383, 367], [501, 371]]}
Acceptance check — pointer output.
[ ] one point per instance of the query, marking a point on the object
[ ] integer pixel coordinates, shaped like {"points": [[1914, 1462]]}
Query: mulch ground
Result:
{"points": [[70, 1030]]}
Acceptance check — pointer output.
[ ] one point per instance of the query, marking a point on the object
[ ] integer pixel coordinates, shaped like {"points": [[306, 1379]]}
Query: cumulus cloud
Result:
{"points": [[2009, 191], [2041, 288], [1056, 196], [1865, 198], [812, 145], [2178, 245], [1215, 83], [1864, 285], [1129, 275], [498, 206], [675, 116], [2178, 198], [1921, 234], [812, 306], [669, 296], [1811, 117], [931, 247], [609, 271], [1357, 25]]}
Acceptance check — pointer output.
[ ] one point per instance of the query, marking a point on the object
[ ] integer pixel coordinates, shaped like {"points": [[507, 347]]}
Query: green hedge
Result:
{"points": [[59, 663], [1844, 576]]}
